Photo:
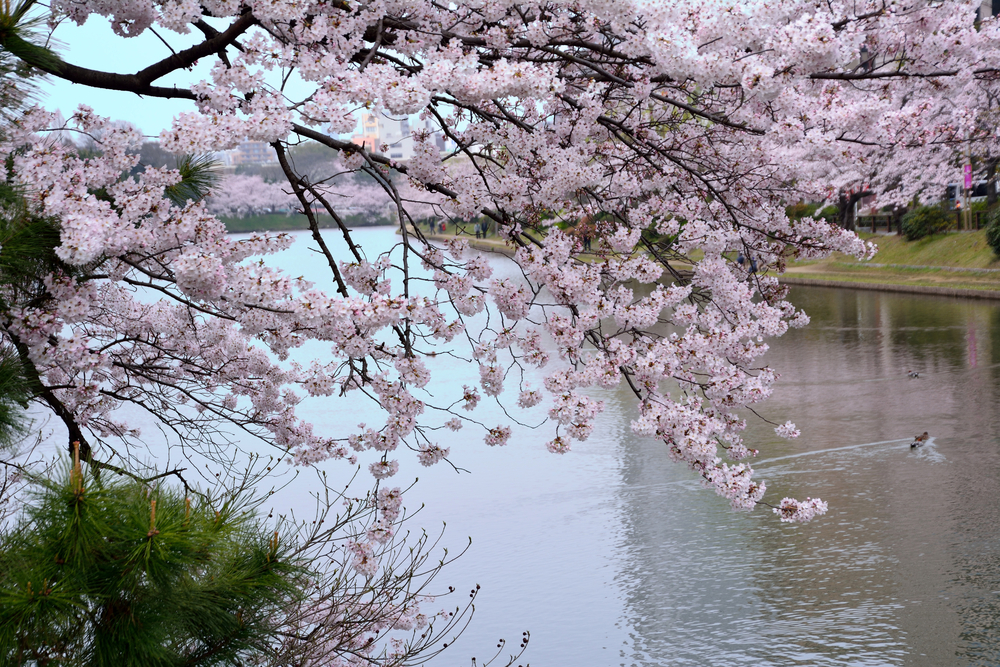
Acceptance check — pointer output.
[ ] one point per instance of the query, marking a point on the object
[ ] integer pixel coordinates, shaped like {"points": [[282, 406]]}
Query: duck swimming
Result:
{"points": [[920, 439]]}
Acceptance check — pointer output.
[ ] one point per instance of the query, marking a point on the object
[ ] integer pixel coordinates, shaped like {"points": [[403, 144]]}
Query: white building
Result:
{"points": [[396, 134], [250, 152]]}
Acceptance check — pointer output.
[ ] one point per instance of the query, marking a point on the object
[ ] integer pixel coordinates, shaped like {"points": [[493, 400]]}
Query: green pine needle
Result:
{"points": [[14, 397], [17, 36], [198, 176], [94, 572]]}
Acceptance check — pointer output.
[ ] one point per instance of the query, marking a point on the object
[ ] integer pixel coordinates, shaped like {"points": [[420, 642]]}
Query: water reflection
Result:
{"points": [[905, 570]]}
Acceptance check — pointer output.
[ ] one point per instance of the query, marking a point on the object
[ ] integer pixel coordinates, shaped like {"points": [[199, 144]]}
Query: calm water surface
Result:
{"points": [[611, 555]]}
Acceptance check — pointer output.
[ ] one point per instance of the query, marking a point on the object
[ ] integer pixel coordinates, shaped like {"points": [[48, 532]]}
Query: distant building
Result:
{"points": [[394, 137], [370, 131], [250, 152]]}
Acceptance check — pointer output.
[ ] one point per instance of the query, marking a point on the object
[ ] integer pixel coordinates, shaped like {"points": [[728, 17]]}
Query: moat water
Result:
{"points": [[612, 555]]}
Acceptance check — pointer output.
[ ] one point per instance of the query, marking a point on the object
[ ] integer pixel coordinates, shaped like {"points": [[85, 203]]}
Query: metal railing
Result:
{"points": [[886, 223], [873, 223]]}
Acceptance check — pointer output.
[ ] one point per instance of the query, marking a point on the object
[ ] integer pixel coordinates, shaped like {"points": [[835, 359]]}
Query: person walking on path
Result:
{"points": [[585, 231], [741, 261]]}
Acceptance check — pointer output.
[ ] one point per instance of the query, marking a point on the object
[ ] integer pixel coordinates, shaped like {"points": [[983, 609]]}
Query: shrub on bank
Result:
{"points": [[993, 230], [801, 210], [924, 221], [830, 213]]}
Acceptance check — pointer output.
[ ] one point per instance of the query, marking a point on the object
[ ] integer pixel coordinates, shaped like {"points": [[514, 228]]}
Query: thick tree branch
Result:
{"points": [[141, 82]]}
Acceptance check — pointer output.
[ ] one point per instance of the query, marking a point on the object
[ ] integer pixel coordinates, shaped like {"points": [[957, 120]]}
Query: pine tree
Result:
{"points": [[104, 572]]}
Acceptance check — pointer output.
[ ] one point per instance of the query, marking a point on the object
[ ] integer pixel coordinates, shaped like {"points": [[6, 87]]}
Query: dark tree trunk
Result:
{"points": [[845, 203], [897, 218], [846, 211], [991, 181]]}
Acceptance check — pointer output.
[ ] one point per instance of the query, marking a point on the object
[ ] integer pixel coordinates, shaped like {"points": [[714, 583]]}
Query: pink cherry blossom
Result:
{"points": [[430, 454], [791, 510], [622, 181], [498, 436]]}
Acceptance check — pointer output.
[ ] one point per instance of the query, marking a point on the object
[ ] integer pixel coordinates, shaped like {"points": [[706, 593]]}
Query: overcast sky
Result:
{"points": [[94, 45]]}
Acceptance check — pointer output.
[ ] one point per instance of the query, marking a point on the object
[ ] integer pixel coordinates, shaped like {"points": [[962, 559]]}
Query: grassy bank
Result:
{"points": [[279, 222], [960, 260], [273, 222], [961, 249], [942, 263]]}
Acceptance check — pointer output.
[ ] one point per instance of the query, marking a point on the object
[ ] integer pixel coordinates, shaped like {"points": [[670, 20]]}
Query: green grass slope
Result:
{"points": [[279, 222], [960, 260], [962, 249]]}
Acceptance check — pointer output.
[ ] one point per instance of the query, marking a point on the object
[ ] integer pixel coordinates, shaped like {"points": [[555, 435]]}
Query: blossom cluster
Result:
{"points": [[791, 510], [636, 159]]}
